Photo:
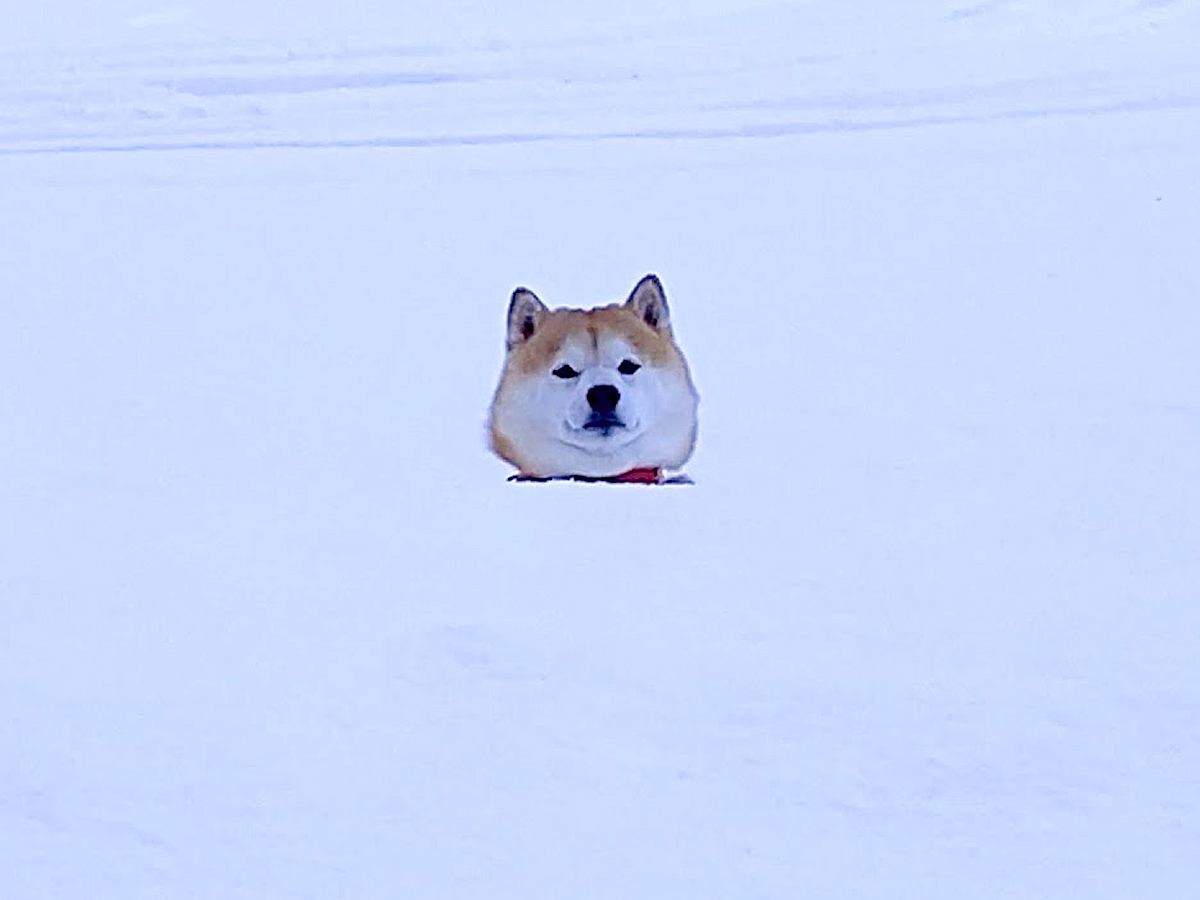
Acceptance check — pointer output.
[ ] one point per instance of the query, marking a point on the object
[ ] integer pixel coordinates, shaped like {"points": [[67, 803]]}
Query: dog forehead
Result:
{"points": [[590, 330]]}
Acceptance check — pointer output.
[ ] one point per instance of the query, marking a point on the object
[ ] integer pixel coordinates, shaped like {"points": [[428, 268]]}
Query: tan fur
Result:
{"points": [[538, 352], [502, 446]]}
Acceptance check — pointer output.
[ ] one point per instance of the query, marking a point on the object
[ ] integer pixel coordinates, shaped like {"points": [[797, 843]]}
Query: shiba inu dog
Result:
{"points": [[597, 394]]}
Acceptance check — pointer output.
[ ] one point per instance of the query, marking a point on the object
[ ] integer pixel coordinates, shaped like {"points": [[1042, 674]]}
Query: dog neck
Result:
{"points": [[642, 475]]}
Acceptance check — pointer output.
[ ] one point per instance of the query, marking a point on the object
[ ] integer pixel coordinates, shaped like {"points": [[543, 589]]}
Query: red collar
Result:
{"points": [[643, 475]]}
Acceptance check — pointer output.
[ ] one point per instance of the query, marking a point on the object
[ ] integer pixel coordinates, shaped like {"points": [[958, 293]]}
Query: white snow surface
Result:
{"points": [[273, 624]]}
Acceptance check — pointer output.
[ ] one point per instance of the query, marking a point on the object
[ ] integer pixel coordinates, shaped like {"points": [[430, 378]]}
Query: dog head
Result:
{"points": [[593, 392]]}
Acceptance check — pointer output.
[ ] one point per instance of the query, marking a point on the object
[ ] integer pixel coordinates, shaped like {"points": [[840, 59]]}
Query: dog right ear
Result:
{"points": [[525, 313]]}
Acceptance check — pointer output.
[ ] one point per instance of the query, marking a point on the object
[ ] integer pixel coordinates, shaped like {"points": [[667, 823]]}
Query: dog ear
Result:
{"points": [[525, 313], [650, 303]]}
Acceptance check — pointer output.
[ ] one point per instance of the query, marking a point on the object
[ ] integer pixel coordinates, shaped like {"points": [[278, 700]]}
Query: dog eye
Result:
{"points": [[628, 367], [565, 371]]}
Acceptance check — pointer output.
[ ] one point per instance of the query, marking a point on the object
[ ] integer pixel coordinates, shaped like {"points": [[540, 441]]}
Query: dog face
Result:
{"points": [[593, 392]]}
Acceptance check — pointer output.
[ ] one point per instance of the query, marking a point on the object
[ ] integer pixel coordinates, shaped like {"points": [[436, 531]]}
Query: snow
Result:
{"points": [[273, 624]]}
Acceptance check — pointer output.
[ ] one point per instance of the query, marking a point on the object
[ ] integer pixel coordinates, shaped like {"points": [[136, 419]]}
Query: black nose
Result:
{"points": [[603, 399]]}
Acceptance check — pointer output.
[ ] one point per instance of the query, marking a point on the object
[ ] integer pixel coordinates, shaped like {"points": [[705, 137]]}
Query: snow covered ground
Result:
{"points": [[273, 625]]}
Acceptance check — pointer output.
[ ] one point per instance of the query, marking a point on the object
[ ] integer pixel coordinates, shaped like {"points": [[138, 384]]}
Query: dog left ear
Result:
{"points": [[525, 313], [650, 303]]}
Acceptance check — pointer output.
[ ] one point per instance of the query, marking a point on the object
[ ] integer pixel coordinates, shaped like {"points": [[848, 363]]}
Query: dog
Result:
{"points": [[602, 394]]}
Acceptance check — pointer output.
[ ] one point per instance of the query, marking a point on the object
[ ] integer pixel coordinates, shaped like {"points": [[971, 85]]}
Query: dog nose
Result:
{"points": [[603, 399]]}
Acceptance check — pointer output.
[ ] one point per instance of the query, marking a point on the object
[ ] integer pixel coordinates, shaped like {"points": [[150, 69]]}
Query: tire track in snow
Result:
{"points": [[329, 95], [763, 130]]}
